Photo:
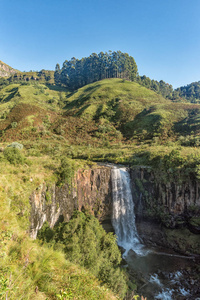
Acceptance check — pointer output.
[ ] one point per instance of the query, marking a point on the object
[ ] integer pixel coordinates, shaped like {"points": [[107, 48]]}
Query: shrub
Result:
{"points": [[14, 156], [45, 233], [66, 170], [86, 243], [14, 124]]}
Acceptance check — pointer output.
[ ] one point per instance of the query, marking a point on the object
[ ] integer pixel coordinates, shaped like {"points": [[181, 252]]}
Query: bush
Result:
{"points": [[14, 124], [45, 234], [66, 170], [86, 243], [14, 156]]}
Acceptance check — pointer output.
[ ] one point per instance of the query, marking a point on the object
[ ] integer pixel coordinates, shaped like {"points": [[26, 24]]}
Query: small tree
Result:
{"points": [[13, 155], [66, 170]]}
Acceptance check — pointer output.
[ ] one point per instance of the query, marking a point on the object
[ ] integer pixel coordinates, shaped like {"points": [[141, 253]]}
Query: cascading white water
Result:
{"points": [[123, 219]]}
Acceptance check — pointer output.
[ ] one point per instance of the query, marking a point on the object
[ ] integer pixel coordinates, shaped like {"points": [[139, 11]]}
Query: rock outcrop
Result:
{"points": [[167, 212], [90, 191], [5, 70]]}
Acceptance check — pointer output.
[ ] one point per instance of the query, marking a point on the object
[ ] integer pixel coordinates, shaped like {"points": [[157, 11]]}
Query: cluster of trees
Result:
{"points": [[76, 73], [190, 92], [3, 82], [160, 87]]}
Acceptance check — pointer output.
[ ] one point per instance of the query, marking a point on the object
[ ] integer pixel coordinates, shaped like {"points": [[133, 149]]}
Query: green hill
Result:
{"points": [[111, 109], [43, 76], [133, 109]]}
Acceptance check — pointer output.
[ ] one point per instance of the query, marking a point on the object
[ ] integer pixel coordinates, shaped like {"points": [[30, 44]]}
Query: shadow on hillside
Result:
{"points": [[81, 99], [144, 121], [189, 124], [11, 95], [57, 88]]}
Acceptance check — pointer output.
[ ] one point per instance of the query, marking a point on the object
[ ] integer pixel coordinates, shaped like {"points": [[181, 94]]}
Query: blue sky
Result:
{"points": [[162, 36]]}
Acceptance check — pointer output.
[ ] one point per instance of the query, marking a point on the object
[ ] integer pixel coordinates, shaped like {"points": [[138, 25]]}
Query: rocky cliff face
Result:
{"points": [[6, 70], [90, 191], [168, 213]]}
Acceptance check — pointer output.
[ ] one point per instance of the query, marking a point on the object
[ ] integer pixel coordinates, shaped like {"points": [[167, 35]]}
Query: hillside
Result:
{"points": [[5, 70], [133, 109], [43, 76], [111, 109], [112, 120]]}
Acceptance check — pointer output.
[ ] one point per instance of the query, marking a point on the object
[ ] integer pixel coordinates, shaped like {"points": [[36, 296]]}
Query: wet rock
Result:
{"points": [[132, 253], [122, 250], [124, 263], [166, 204]]}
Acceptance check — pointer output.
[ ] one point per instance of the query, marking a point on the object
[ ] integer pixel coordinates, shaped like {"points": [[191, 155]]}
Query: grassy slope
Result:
{"points": [[94, 99], [107, 107], [130, 106]]}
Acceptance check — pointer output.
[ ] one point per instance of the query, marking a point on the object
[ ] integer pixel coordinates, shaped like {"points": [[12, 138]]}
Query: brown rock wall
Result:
{"points": [[90, 191]]}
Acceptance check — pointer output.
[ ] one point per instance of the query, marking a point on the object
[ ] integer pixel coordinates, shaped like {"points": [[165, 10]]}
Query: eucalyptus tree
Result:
{"points": [[76, 73]]}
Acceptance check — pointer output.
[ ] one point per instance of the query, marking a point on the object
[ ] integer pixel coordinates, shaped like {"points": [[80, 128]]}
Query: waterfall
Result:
{"points": [[123, 219]]}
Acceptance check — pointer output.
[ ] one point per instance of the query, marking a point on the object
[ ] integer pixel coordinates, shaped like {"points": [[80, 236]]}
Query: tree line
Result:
{"points": [[160, 87], [76, 73], [190, 92]]}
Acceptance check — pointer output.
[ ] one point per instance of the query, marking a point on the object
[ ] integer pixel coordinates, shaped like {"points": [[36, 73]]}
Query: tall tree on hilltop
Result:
{"points": [[77, 73], [57, 74]]}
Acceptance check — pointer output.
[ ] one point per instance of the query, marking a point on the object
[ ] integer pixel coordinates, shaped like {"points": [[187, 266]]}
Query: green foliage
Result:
{"points": [[173, 160], [189, 140], [14, 124], [4, 287], [161, 87], [77, 73], [14, 156], [43, 76], [85, 242], [66, 170], [45, 233], [191, 92], [3, 82], [64, 295]]}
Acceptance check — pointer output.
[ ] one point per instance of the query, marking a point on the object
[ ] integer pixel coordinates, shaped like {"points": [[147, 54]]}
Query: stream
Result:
{"points": [[159, 274]]}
